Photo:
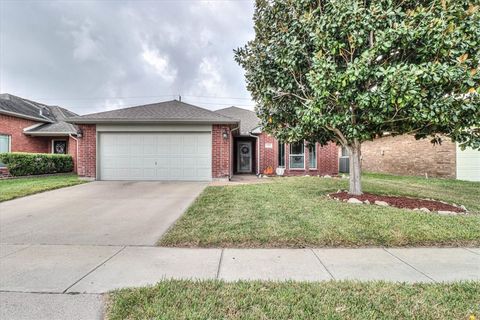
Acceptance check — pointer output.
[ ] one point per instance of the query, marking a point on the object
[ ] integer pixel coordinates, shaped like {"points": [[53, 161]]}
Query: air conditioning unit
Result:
{"points": [[344, 165]]}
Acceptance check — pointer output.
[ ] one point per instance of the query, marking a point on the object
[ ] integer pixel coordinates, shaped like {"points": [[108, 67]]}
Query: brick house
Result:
{"points": [[403, 155], [29, 126], [174, 140]]}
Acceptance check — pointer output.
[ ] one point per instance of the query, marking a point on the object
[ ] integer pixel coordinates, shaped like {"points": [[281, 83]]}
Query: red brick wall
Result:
{"points": [[327, 159], [268, 157], [222, 156], [403, 155], [20, 142], [4, 173], [72, 149], [87, 151]]}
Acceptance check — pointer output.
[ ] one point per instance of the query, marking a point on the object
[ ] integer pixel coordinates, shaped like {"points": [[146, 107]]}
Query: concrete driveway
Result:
{"points": [[97, 213]]}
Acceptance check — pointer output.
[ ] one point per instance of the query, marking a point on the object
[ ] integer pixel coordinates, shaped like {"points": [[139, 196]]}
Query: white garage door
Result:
{"points": [[468, 164], [155, 156]]}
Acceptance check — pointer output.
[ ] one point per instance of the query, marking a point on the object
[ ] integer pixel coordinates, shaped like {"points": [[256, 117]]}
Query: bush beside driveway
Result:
{"points": [[296, 212]]}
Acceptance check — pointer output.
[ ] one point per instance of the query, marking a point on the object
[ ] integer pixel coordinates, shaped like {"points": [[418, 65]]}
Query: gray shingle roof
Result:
{"points": [[169, 111], [53, 117], [248, 119], [14, 105]]}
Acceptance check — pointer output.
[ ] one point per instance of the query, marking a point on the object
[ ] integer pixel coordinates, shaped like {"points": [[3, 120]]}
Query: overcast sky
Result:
{"points": [[90, 56]]}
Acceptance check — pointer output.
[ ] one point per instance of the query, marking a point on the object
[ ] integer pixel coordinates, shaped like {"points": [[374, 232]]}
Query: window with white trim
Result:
{"points": [[312, 156], [297, 155], [4, 145]]}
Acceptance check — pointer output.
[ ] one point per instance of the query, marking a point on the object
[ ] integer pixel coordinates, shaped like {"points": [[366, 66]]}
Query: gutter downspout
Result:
{"points": [[257, 153], [232, 152], [76, 152]]}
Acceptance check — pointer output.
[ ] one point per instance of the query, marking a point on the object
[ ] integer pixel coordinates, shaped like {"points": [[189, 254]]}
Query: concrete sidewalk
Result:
{"points": [[99, 269], [67, 281]]}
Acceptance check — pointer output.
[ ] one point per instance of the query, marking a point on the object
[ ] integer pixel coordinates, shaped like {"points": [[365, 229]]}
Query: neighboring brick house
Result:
{"points": [[403, 155], [29, 126], [173, 140]]}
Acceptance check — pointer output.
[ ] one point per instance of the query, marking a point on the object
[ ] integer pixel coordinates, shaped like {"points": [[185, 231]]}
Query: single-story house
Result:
{"points": [[174, 140], [403, 155], [29, 126]]}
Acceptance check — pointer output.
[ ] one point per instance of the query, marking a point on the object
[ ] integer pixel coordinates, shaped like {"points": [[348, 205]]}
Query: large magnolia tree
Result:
{"points": [[349, 71]]}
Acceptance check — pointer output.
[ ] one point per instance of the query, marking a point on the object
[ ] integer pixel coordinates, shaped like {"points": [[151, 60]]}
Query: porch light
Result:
{"points": [[225, 134]]}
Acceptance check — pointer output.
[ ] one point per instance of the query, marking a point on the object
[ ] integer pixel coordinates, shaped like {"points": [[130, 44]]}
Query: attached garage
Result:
{"points": [[166, 141], [155, 156]]}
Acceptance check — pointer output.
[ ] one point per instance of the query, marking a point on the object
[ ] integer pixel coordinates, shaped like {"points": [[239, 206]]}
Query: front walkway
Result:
{"points": [[239, 179], [99, 269]]}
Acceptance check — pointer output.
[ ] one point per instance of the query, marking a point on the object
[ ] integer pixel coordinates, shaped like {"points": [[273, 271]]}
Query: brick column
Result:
{"points": [[87, 151], [221, 152]]}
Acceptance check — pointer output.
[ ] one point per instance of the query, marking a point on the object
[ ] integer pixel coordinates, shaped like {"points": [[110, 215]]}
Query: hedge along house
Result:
{"points": [[29, 126], [174, 140]]}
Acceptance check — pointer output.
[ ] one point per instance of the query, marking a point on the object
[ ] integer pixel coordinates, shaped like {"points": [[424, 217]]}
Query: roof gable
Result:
{"points": [[248, 119], [168, 111]]}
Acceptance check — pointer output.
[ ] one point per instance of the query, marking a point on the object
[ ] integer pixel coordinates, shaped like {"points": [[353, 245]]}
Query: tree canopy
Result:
{"points": [[351, 71]]}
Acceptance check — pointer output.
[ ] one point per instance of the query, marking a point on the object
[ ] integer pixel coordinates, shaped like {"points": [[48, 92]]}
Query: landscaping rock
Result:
{"points": [[327, 176], [463, 208], [354, 201], [448, 213], [398, 202]]}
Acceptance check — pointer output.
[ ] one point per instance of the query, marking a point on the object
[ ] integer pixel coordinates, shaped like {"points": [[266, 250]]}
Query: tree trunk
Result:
{"points": [[355, 169]]}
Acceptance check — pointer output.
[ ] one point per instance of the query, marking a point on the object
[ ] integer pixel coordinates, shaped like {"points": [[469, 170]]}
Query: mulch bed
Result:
{"points": [[399, 202]]}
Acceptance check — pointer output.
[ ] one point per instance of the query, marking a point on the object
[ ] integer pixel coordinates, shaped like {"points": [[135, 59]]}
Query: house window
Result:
{"points": [[4, 146], [297, 155], [281, 154], [312, 155], [344, 152], [59, 146]]}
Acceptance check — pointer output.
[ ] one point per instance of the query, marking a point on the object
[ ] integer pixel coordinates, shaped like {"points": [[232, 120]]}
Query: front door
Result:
{"points": [[244, 156]]}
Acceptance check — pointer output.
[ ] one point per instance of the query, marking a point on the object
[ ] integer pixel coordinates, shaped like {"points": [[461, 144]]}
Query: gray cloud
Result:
{"points": [[91, 56]]}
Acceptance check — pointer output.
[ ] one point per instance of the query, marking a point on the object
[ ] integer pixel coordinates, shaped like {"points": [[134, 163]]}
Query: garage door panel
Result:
{"points": [[468, 164], [155, 156]]}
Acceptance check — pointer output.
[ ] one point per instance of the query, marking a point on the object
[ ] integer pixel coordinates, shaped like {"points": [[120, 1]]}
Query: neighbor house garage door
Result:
{"points": [[468, 164], [155, 156]]}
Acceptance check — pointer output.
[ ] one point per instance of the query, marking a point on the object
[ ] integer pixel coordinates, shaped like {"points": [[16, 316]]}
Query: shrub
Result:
{"points": [[24, 164]]}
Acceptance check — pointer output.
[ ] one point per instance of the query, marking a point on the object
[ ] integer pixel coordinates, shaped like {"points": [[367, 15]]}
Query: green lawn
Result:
{"points": [[15, 188], [176, 299], [295, 212]]}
